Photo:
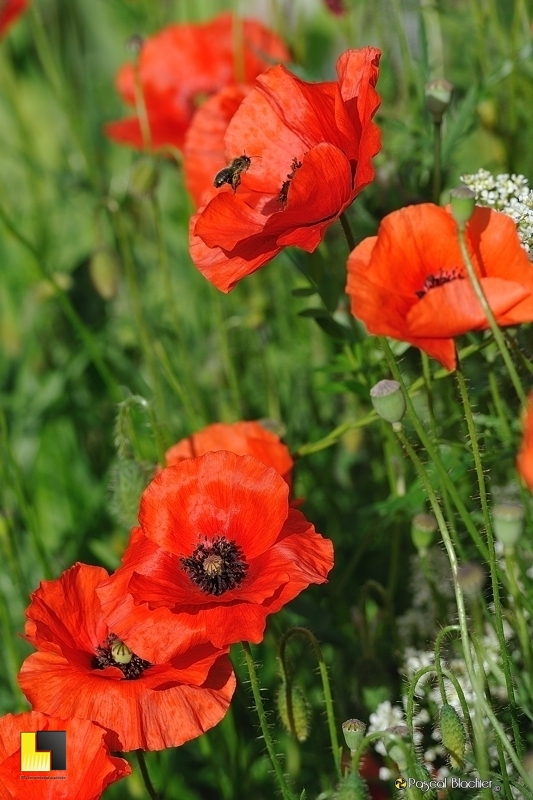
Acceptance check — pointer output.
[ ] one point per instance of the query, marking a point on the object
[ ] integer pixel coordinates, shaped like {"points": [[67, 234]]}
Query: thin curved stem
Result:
{"points": [[299, 631], [498, 611], [285, 790], [496, 332], [145, 776], [347, 231]]}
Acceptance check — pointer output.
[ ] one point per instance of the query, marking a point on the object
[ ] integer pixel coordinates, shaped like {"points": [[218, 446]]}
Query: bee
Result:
{"points": [[232, 173]]}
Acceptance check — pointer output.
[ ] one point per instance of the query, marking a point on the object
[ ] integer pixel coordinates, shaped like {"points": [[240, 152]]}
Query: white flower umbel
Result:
{"points": [[511, 195]]}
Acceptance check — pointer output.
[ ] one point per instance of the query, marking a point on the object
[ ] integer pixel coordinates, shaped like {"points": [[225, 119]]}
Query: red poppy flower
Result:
{"points": [[310, 146], [182, 64], [229, 551], [242, 438], [90, 767], [409, 281], [204, 154], [82, 669], [9, 11], [524, 461]]}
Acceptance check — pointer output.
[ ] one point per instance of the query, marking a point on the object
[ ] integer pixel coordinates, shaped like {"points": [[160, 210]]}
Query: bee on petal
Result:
{"points": [[232, 173]]}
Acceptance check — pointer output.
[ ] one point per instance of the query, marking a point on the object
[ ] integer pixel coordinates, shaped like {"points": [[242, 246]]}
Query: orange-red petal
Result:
{"points": [[90, 767]]}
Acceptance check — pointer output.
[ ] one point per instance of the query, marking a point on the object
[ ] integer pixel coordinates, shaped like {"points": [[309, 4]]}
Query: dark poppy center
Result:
{"points": [[444, 276], [216, 567], [114, 653]]}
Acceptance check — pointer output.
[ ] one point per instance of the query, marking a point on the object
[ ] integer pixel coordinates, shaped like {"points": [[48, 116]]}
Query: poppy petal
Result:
{"points": [[217, 494]]}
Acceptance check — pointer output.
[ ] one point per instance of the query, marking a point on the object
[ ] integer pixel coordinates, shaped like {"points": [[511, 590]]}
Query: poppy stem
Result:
{"points": [[285, 791], [347, 231], [481, 701], [496, 332], [141, 760], [498, 612], [332, 725], [437, 169]]}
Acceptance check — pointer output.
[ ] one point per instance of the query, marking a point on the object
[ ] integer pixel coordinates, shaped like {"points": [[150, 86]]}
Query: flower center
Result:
{"points": [[214, 568], [114, 653], [285, 187], [444, 276]]}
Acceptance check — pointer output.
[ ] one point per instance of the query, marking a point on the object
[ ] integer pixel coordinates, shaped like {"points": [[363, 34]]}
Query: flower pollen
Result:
{"points": [[433, 281], [214, 568], [114, 653], [290, 175]]}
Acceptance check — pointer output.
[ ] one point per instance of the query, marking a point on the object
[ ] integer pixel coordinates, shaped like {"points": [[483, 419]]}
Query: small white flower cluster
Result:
{"points": [[511, 195]]}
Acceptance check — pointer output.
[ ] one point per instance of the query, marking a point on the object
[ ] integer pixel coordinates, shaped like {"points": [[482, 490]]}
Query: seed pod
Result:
{"points": [[453, 734], [104, 270], [300, 710]]}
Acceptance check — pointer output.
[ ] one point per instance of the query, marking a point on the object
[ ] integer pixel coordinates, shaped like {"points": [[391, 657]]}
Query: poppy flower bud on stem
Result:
{"points": [[507, 521], [438, 97], [397, 745], [353, 730], [423, 527], [453, 734], [353, 787], [388, 400], [463, 203]]}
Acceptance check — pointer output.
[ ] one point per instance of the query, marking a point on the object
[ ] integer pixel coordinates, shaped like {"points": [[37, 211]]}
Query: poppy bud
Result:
{"points": [[423, 526], [300, 710], [128, 479], [105, 273], [507, 520], [353, 730], [471, 577], [463, 203], [453, 734], [388, 400], [397, 751], [144, 178], [353, 787], [438, 97]]}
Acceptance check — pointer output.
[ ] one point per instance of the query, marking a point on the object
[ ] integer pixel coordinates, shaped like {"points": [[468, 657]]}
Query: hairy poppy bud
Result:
{"points": [[397, 745], [105, 273], [423, 527], [144, 178], [300, 710], [438, 97], [507, 520], [471, 577], [388, 400], [463, 203], [353, 730], [353, 787], [453, 734]]}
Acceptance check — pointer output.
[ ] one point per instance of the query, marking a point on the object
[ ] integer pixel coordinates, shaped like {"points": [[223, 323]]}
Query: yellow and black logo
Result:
{"points": [[43, 751], [400, 783]]}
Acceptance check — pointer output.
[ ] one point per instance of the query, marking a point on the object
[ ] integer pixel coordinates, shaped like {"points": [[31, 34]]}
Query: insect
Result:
{"points": [[232, 173]]}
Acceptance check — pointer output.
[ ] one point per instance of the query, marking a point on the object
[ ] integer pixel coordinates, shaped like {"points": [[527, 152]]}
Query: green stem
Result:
{"points": [[498, 611], [434, 455], [480, 698], [496, 332], [330, 713], [523, 635], [141, 760], [347, 231], [286, 792], [437, 168], [427, 381]]}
